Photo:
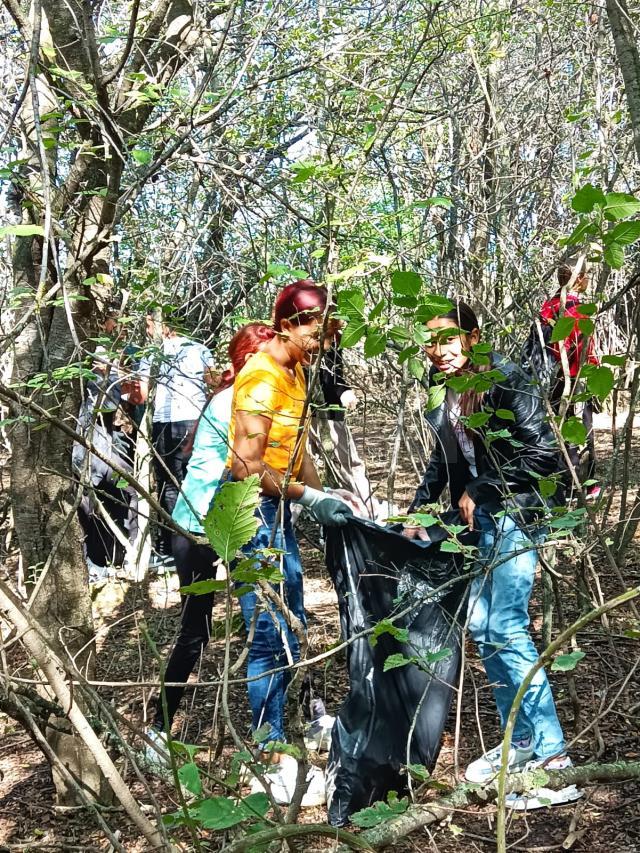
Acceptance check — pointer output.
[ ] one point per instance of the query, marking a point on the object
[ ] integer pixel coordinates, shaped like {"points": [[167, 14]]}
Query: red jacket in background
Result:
{"points": [[575, 342]]}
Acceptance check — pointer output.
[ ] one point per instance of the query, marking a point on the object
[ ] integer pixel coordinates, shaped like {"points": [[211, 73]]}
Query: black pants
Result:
{"points": [[572, 449], [102, 546], [194, 563], [168, 443]]}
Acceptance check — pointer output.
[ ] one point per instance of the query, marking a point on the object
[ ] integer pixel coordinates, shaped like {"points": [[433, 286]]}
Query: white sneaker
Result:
{"points": [[97, 573], [487, 767], [541, 798], [282, 782], [160, 740], [161, 564], [317, 735]]}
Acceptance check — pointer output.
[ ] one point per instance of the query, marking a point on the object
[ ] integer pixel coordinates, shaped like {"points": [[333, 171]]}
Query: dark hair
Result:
{"points": [[299, 302], [466, 320], [575, 265], [246, 341]]}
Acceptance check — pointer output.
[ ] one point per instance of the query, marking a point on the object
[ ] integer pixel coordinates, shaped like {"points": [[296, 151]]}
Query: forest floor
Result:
{"points": [[607, 820]]}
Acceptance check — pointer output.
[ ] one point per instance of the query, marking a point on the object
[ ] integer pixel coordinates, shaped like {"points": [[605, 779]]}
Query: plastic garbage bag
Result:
{"points": [[393, 718]]}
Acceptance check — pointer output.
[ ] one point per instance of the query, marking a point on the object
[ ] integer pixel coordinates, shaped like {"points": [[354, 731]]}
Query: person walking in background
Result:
{"points": [[267, 434], [493, 481], [184, 382], [196, 562], [543, 359], [330, 437]]}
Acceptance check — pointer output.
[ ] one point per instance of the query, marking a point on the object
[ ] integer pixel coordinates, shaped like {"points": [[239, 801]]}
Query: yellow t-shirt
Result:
{"points": [[264, 388]]}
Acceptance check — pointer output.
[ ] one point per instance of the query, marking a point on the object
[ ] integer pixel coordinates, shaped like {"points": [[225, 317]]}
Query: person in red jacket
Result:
{"points": [[579, 349]]}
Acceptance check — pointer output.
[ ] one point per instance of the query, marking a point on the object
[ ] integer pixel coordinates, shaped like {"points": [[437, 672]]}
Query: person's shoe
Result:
{"points": [[486, 768], [98, 574], [159, 739], [594, 492], [161, 564], [317, 735], [541, 798], [282, 782]]}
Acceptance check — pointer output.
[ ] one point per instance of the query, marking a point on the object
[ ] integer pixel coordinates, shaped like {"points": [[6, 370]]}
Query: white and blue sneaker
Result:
{"points": [[487, 767]]}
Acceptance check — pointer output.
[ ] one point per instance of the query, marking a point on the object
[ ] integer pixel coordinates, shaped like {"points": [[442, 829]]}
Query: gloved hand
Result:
{"points": [[325, 509], [348, 399]]}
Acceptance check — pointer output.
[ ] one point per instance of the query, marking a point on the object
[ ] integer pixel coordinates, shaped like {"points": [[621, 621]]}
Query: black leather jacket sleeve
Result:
{"points": [[433, 482], [533, 449]]}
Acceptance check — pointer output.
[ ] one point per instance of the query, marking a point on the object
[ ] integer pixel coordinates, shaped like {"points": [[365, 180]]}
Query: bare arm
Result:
{"points": [[249, 445]]}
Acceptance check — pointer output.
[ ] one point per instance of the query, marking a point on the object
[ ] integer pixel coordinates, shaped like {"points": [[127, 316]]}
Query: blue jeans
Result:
{"points": [[274, 644], [499, 624]]}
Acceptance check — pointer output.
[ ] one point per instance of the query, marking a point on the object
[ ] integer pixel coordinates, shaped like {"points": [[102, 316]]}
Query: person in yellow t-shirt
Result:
{"points": [[267, 436]]}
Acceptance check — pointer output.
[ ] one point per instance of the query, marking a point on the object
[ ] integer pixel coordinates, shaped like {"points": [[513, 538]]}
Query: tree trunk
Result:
{"points": [[624, 37]]}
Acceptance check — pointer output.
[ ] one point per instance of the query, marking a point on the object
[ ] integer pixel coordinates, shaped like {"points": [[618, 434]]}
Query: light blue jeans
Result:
{"points": [[274, 644], [499, 624]]}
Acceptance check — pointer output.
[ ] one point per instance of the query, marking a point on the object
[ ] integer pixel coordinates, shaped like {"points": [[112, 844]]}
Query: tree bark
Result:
{"points": [[623, 29]]}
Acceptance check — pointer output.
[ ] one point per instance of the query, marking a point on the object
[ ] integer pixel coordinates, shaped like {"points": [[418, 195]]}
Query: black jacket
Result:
{"points": [[332, 381], [507, 461]]}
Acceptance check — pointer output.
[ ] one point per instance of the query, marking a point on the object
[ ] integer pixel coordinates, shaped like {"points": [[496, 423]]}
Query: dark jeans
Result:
{"points": [[194, 563], [102, 546], [168, 443]]}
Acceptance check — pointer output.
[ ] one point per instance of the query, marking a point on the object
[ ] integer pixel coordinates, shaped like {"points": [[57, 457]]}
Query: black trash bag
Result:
{"points": [[377, 573]]}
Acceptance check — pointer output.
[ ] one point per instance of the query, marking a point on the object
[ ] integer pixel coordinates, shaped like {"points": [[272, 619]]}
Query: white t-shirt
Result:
{"points": [[181, 390], [464, 441]]}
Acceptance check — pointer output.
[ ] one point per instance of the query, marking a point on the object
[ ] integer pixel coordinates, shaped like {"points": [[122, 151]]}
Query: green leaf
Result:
{"points": [[580, 232], [586, 326], [375, 343], [600, 382], [505, 414], [432, 306], [384, 626], [406, 283], [574, 431], [142, 155], [568, 520], [231, 522], [620, 206], [434, 201], [203, 587], [419, 772], [565, 663], [416, 368], [451, 546], [548, 487], [352, 333], [218, 813], [625, 233], [586, 198], [189, 776], [379, 813], [614, 255], [477, 419], [435, 657], [615, 360], [395, 661], [22, 231], [563, 327]]}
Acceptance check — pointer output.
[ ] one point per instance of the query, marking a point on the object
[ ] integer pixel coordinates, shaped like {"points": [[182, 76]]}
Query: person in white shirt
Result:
{"points": [[184, 380]]}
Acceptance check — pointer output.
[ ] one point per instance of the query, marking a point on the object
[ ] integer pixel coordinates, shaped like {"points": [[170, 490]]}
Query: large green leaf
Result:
{"points": [[432, 306], [621, 206], [353, 333], [574, 431], [375, 343], [406, 283], [600, 381], [614, 255], [586, 198], [189, 776], [625, 233], [567, 662], [231, 521], [562, 328]]}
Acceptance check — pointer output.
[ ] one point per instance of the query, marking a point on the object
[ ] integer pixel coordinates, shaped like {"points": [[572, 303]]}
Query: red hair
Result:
{"points": [[246, 341], [299, 302]]}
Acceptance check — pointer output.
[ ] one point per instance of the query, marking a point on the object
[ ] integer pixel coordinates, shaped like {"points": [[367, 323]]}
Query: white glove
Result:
{"points": [[325, 509], [348, 399]]}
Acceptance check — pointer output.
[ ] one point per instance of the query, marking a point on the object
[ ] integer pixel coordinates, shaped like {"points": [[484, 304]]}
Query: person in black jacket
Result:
{"points": [[344, 463], [493, 449]]}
